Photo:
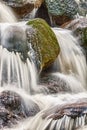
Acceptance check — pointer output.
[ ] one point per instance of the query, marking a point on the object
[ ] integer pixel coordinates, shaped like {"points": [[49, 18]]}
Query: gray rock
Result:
{"points": [[14, 109], [62, 7]]}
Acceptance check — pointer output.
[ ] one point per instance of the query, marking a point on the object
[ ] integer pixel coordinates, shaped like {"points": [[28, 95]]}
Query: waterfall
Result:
{"points": [[13, 70], [6, 14], [49, 104], [71, 59], [60, 111]]}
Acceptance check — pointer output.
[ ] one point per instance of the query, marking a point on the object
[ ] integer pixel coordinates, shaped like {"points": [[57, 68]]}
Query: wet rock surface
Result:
{"points": [[55, 84], [72, 110], [13, 109]]}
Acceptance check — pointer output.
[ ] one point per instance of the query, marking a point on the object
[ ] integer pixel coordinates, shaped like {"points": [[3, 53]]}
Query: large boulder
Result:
{"points": [[13, 108], [43, 41], [59, 11], [59, 7]]}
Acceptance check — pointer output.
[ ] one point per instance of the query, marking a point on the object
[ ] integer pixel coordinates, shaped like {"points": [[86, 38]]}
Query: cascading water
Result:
{"points": [[71, 60], [6, 14], [12, 69], [46, 112]]}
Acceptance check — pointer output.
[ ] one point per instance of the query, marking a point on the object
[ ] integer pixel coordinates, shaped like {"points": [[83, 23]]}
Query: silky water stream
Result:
{"points": [[27, 106]]}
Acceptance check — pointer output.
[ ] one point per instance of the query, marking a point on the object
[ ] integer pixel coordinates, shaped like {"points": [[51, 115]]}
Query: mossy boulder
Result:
{"points": [[43, 42]]}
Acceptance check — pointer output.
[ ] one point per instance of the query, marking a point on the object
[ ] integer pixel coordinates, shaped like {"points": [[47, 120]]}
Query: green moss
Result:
{"points": [[84, 36], [46, 41]]}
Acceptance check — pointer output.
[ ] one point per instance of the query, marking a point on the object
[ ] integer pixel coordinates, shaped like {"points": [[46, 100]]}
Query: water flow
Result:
{"points": [[14, 71], [48, 105], [22, 74], [6, 14], [71, 59]]}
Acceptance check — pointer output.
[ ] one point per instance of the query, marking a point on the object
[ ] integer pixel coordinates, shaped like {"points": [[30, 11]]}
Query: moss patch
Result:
{"points": [[46, 41]]}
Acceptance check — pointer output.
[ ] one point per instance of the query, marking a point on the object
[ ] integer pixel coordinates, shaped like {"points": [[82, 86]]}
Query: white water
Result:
{"points": [[48, 104], [73, 70], [71, 60], [6, 14], [14, 71]]}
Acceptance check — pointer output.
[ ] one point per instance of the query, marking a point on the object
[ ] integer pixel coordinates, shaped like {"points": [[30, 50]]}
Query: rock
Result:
{"points": [[44, 41], [20, 7], [59, 11], [73, 110], [13, 108], [82, 7], [54, 83], [60, 7]]}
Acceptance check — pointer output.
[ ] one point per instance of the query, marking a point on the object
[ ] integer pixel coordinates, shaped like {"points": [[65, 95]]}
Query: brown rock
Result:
{"points": [[23, 9]]}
